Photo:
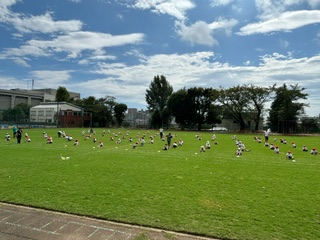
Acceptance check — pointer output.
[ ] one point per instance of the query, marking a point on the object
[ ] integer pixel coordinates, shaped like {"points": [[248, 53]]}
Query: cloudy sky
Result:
{"points": [[116, 47]]}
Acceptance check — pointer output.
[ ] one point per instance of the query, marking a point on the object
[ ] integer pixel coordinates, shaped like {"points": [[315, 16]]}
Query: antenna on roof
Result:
{"points": [[32, 84]]}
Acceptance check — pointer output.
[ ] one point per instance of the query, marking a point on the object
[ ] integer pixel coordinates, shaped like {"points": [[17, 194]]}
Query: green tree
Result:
{"points": [[100, 108], [194, 106], [62, 95], [119, 112], [309, 125], [285, 109], [155, 119], [202, 99], [157, 96], [19, 113], [258, 97], [236, 103], [180, 106]]}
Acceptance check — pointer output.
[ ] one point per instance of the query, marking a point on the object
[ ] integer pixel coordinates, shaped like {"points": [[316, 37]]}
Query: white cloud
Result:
{"points": [[76, 42], [198, 33], [21, 62], [202, 33], [25, 50], [224, 25], [176, 9], [247, 63], [286, 21], [314, 3], [200, 69], [72, 44], [284, 43], [272, 8], [56, 77], [120, 16], [218, 3], [4, 9], [44, 24], [11, 83]]}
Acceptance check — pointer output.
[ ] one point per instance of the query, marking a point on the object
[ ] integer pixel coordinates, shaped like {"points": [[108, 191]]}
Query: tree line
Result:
{"points": [[105, 111], [196, 106]]}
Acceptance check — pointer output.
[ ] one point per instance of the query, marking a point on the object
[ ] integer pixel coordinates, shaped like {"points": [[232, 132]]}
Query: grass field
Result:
{"points": [[259, 195]]}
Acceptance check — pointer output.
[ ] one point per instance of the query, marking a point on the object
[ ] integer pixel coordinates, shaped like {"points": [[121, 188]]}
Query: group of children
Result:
{"points": [[141, 141], [7, 137], [241, 147], [276, 149]]}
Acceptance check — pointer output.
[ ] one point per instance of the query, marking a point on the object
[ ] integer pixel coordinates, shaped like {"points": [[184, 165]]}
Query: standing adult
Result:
{"points": [[266, 135], [169, 139], [19, 135], [14, 130], [161, 133]]}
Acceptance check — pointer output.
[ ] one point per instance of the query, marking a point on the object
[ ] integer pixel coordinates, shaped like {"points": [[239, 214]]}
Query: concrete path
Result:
{"points": [[22, 223]]}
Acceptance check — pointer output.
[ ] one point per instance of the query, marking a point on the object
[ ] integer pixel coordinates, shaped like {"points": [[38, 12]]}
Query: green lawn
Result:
{"points": [[259, 195]]}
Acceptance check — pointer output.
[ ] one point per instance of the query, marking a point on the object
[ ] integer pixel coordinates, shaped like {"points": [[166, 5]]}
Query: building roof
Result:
{"points": [[58, 105]]}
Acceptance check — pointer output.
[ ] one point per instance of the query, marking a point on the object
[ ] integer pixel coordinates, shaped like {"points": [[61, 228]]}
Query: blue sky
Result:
{"points": [[115, 48]]}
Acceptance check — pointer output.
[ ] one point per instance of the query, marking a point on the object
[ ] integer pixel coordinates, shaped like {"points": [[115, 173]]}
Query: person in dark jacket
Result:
{"points": [[19, 135]]}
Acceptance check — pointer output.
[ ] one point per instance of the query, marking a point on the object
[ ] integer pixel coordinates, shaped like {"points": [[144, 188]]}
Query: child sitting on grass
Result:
{"points": [[238, 152], [314, 151], [304, 148], [289, 155]]}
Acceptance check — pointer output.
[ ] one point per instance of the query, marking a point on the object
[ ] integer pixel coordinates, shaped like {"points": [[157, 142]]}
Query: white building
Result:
{"points": [[10, 98], [63, 113], [137, 117]]}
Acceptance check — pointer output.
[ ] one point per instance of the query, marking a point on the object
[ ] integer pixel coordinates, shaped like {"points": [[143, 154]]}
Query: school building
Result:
{"points": [[60, 114], [10, 98]]}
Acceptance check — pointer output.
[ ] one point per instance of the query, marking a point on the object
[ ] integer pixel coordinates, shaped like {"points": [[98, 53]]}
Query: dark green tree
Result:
{"points": [[258, 97], [310, 125], [194, 106], [119, 112], [19, 113], [202, 103], [62, 94], [285, 109], [214, 114], [180, 106], [155, 119], [157, 96], [236, 103], [100, 108]]}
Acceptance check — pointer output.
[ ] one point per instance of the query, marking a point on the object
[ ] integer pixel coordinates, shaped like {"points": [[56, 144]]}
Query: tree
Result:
{"points": [[194, 107], [100, 108], [202, 99], [285, 109], [258, 97], [157, 96], [62, 94], [119, 112], [155, 119], [309, 124], [180, 106], [19, 113], [236, 102]]}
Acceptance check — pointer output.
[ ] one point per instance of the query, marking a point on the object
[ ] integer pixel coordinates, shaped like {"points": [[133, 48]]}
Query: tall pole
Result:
{"points": [[57, 121]]}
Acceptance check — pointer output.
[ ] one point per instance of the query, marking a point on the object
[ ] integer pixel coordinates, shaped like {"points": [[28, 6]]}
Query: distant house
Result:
{"points": [[10, 98], [233, 125], [137, 118], [61, 114]]}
